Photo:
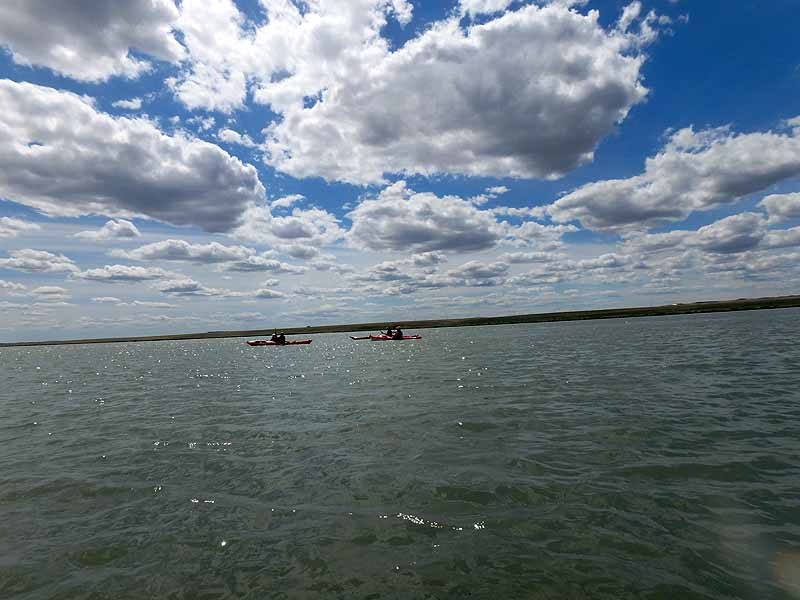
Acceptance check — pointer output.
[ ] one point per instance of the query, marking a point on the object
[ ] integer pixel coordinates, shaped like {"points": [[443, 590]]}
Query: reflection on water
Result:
{"points": [[642, 458]]}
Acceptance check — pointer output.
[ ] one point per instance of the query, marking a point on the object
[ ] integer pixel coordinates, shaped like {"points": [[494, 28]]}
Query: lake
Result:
{"points": [[626, 458]]}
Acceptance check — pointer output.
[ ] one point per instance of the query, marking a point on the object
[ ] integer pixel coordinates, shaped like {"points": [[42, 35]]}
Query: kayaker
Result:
{"points": [[274, 337], [281, 338], [398, 333], [389, 332]]}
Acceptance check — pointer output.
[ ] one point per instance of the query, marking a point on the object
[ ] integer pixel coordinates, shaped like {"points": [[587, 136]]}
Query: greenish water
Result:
{"points": [[642, 458]]}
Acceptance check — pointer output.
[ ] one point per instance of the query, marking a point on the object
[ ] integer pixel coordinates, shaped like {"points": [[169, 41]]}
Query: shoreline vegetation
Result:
{"points": [[579, 315]]}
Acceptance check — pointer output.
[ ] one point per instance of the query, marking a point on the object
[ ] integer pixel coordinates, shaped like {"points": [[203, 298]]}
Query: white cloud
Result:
{"points": [[482, 7], [268, 293], [12, 286], [478, 273], [516, 258], [50, 294], [181, 250], [229, 136], [264, 264], [113, 229], [497, 190], [781, 207], [62, 157], [629, 14], [219, 52], [489, 194], [287, 201], [783, 238], [38, 261], [737, 233], [202, 123], [10, 227], [149, 304], [123, 274], [695, 171], [300, 251], [89, 41], [186, 286], [528, 94], [106, 300], [331, 266], [309, 227], [132, 104], [401, 219]]}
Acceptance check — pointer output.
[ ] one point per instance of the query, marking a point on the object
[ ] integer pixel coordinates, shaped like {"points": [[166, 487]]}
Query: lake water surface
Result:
{"points": [[640, 458]]}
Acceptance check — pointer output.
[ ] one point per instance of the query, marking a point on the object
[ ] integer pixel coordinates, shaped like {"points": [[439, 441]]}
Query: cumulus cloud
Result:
{"points": [[181, 250], [10, 227], [50, 293], [132, 104], [287, 201], [516, 258], [301, 251], [220, 53], [106, 300], [38, 261], [481, 7], [64, 158], [123, 274], [253, 264], [401, 219], [149, 304], [489, 194], [736, 233], [89, 41], [556, 268], [309, 227], [182, 286], [11, 286], [229, 136], [781, 207], [113, 229], [479, 274], [186, 286], [782, 238], [695, 171], [529, 93], [739, 233], [268, 293], [422, 271], [331, 266]]}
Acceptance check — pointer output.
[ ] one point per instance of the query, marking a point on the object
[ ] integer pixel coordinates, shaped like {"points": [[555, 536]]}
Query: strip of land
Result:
{"points": [[608, 313]]}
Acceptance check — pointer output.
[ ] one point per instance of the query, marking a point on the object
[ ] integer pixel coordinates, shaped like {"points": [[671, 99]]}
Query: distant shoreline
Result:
{"points": [[579, 315]]}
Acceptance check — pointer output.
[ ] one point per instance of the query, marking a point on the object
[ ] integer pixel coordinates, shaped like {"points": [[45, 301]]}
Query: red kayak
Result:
{"points": [[386, 338], [271, 343]]}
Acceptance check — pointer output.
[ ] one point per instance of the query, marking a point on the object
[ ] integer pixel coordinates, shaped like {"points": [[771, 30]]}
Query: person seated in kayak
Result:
{"points": [[389, 332], [398, 334], [274, 337], [281, 338]]}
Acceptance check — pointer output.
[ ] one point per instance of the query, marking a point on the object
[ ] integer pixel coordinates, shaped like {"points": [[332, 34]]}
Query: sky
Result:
{"points": [[208, 165]]}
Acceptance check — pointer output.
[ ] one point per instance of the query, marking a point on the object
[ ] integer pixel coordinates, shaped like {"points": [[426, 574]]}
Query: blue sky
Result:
{"points": [[185, 166]]}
